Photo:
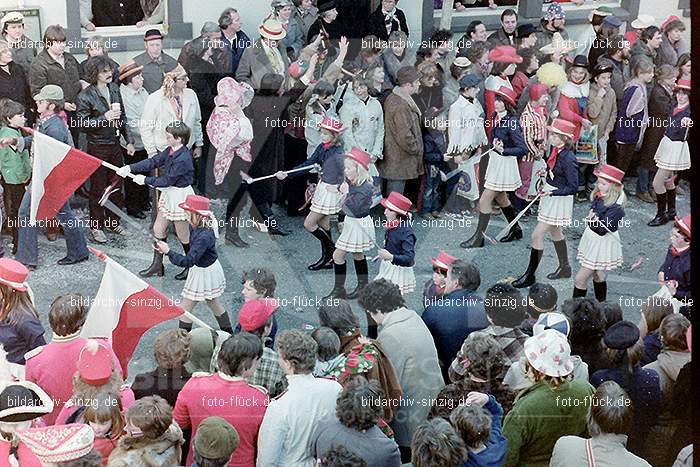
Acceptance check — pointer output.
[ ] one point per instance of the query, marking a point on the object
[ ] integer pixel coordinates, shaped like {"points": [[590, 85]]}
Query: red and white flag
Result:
{"points": [[124, 308], [58, 170]]}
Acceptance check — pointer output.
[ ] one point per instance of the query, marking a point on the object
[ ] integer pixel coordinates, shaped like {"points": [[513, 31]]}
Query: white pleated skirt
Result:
{"points": [[205, 283], [502, 173], [599, 253], [169, 202], [357, 236], [556, 210], [400, 275], [324, 201], [672, 155]]}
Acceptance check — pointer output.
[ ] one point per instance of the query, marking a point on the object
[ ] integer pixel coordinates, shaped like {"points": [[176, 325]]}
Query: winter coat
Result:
{"points": [[14, 85], [667, 53], [305, 18], [164, 382], [495, 447], [410, 348], [632, 114], [158, 113], [364, 124], [154, 70], [24, 52], [377, 27], [255, 64], [572, 104], [501, 38], [403, 141], [660, 108], [608, 449], [371, 445], [142, 452], [466, 126], [92, 107], [234, 51], [45, 70], [678, 268], [620, 76], [640, 51], [652, 347], [602, 111], [539, 419], [392, 64], [545, 36]]}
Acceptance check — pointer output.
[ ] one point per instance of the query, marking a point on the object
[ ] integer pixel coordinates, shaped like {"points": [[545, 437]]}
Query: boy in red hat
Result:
{"points": [[435, 286], [600, 249], [206, 281], [327, 197], [398, 255], [556, 203], [358, 228], [675, 271]]}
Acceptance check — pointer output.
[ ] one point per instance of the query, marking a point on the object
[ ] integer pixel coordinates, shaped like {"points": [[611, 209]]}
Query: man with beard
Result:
{"points": [[506, 33], [553, 21], [617, 56]]}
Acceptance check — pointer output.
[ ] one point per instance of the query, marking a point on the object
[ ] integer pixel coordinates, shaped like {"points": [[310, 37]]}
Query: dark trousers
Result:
{"points": [[13, 199], [100, 180], [261, 209], [294, 187], [137, 196], [626, 157]]}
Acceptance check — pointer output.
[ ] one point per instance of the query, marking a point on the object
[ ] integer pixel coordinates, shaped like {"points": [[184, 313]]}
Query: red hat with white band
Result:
{"points": [[197, 204], [683, 224], [610, 173], [397, 203], [272, 29], [506, 93], [332, 124], [14, 274], [562, 127], [359, 156], [443, 260]]}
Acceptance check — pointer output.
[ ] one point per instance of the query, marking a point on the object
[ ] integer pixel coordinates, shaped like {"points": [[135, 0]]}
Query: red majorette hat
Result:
{"points": [[332, 124], [95, 363], [443, 260], [562, 127], [505, 54], [397, 203], [197, 204], [683, 84], [507, 94], [14, 274], [359, 156], [610, 173], [683, 224]]}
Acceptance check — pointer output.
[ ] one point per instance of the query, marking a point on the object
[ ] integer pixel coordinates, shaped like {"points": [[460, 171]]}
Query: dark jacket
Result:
{"points": [[500, 37], [660, 108], [378, 28], [627, 128], [54, 127], [177, 169], [202, 250], [510, 132], [331, 162], [495, 447], [82, 67], [452, 318], [91, 116], [359, 200], [162, 382], [652, 347], [565, 174], [675, 132], [45, 70], [18, 339], [121, 13], [678, 268], [234, 51], [434, 147], [14, 85], [154, 70], [401, 242], [609, 217]]}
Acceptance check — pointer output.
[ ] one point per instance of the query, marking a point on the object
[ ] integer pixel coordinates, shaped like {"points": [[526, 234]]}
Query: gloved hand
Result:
{"points": [[124, 171], [140, 179]]}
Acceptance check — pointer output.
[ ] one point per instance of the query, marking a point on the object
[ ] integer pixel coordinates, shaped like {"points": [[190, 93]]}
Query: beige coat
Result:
{"points": [[602, 110], [254, 65], [403, 141]]}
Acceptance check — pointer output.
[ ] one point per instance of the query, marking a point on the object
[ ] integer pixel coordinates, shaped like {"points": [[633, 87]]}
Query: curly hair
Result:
{"points": [[152, 415], [473, 423], [381, 296], [526, 55], [299, 349], [505, 306], [172, 348], [359, 404], [96, 65], [67, 314], [587, 320], [338, 316], [485, 358], [436, 444], [339, 456], [263, 281]]}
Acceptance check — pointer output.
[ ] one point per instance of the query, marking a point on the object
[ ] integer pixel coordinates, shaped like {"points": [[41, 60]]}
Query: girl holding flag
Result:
{"points": [[206, 280], [556, 203], [358, 228], [600, 249]]}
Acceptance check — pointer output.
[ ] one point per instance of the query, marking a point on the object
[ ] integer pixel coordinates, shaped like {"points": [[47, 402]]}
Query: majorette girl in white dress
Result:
{"points": [[556, 203], [175, 184], [672, 155], [398, 255], [327, 197], [358, 229], [600, 249], [206, 281]]}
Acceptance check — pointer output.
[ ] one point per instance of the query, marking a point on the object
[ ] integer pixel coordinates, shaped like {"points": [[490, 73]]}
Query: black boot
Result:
{"points": [[273, 228], [232, 235], [185, 325], [182, 275], [362, 279], [477, 240], [661, 212], [516, 232], [671, 204], [601, 290], [327, 248], [339, 287], [156, 268], [579, 293], [527, 279], [564, 270], [224, 323]]}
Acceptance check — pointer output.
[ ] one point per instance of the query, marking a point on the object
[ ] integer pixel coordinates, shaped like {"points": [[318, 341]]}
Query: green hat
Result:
{"points": [[50, 92], [216, 438]]}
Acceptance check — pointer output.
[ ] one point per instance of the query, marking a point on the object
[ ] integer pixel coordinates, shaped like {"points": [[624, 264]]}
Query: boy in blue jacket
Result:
{"points": [[478, 421]]}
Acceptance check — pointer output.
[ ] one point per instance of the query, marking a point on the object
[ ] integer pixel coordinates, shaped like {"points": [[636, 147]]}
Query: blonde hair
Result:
{"points": [[169, 80], [612, 196], [335, 137], [363, 175]]}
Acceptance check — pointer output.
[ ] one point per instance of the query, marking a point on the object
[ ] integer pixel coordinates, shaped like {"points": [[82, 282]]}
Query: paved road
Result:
{"points": [[299, 289]]}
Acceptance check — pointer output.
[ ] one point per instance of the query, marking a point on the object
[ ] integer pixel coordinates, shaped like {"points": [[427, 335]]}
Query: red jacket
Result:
{"points": [[228, 397], [26, 456], [569, 110]]}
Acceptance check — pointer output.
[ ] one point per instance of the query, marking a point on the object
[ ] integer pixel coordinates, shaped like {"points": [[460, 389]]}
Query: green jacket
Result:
{"points": [[540, 416], [14, 166]]}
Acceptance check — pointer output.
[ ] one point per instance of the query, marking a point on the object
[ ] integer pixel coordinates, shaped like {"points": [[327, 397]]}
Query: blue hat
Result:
{"points": [[468, 81], [612, 21], [556, 321], [554, 11], [621, 335]]}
